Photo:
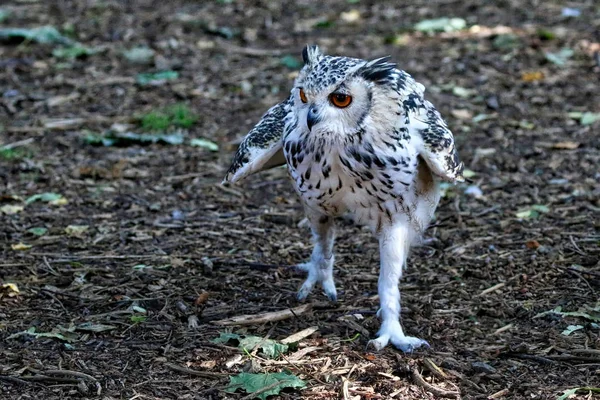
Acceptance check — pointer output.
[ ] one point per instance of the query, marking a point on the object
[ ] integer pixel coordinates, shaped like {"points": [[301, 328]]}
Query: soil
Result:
{"points": [[168, 252]]}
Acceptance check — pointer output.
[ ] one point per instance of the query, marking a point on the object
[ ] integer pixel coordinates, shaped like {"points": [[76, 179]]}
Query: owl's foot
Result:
{"points": [[318, 271], [392, 332]]}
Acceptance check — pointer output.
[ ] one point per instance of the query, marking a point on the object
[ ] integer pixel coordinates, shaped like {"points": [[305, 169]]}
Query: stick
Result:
{"points": [[257, 319], [204, 374], [418, 379]]}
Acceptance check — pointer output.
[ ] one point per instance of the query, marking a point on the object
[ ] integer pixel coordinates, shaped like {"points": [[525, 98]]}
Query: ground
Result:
{"points": [[145, 243]]}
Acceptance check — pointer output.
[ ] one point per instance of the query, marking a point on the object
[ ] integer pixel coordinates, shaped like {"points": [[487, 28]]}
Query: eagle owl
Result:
{"points": [[358, 138]]}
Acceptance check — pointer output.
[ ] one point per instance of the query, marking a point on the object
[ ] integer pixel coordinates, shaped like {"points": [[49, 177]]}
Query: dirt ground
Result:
{"points": [[146, 244]]}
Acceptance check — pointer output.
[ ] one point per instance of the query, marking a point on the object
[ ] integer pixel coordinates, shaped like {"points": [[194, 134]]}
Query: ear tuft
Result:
{"points": [[378, 71], [311, 54]]}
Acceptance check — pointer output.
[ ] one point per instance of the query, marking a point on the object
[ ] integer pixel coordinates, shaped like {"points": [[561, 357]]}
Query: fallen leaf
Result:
{"points": [[204, 143], [202, 298], [258, 382], [10, 209], [139, 55], [351, 16], [38, 231], [270, 348], [441, 25], [77, 231], [561, 57], [11, 287], [21, 246], [462, 114], [589, 118], [532, 244], [570, 329], [291, 62], [43, 197], [76, 51], [156, 78], [532, 76], [462, 92], [43, 35]]}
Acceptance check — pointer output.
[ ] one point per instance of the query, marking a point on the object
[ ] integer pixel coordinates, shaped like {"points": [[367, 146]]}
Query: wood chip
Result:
{"points": [[258, 319], [298, 336]]}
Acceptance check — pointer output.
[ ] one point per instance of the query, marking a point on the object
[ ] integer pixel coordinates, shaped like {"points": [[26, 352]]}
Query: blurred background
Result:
{"points": [[118, 119]]}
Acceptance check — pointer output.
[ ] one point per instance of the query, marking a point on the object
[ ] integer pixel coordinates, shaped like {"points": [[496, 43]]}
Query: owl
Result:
{"points": [[358, 139]]}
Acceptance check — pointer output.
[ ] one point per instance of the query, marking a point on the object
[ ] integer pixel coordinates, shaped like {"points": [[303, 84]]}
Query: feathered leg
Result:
{"points": [[394, 243], [320, 266]]}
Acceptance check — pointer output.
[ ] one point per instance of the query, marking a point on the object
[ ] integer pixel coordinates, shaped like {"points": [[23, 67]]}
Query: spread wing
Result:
{"points": [[426, 125], [262, 147]]}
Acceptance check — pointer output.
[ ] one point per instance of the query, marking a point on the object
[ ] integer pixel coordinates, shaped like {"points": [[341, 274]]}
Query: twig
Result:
{"points": [[204, 374], [418, 379], [18, 143], [491, 289], [577, 249], [257, 319], [14, 379], [69, 373], [533, 357]]}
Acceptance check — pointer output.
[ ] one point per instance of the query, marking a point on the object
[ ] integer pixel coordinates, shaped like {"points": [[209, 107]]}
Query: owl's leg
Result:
{"points": [[394, 244], [320, 266]]}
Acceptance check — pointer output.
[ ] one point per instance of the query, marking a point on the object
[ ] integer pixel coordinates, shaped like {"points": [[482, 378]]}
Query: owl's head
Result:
{"points": [[338, 96]]}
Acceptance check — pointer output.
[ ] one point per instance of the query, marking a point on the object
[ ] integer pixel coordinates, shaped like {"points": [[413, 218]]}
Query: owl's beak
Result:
{"points": [[312, 118]]}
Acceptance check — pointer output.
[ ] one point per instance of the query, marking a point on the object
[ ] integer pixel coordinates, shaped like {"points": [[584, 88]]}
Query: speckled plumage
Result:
{"points": [[380, 159]]}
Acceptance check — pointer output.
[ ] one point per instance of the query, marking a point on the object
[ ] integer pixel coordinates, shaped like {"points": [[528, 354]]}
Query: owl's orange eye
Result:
{"points": [[340, 100], [303, 96]]}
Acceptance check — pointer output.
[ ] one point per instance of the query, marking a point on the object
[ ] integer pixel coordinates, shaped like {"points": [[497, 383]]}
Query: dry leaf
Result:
{"points": [[532, 244], [20, 246], [532, 76], [202, 298]]}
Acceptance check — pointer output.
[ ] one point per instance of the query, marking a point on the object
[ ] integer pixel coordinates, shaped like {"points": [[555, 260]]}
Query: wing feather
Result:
{"points": [[262, 147], [425, 124]]}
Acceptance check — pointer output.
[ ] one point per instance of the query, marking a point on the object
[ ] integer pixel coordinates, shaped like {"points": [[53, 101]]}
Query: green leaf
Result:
{"points": [[136, 319], [204, 143], [507, 41], [291, 62], [76, 230], [37, 231], [567, 393], [462, 92], [139, 55], [467, 173], [561, 57], [441, 25], [252, 383], [156, 78], [225, 337], [4, 14], [269, 348], [540, 208], [43, 35], [92, 327], [570, 329], [73, 52], [44, 197], [589, 118], [180, 115]]}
